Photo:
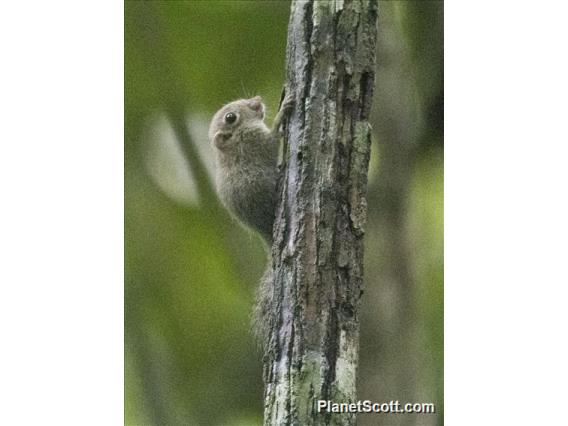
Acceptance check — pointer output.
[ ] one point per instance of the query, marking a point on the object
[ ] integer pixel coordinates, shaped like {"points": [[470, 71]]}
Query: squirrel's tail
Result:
{"points": [[261, 310]]}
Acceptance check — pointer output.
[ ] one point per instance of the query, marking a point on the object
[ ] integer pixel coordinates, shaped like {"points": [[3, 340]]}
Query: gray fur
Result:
{"points": [[247, 175]]}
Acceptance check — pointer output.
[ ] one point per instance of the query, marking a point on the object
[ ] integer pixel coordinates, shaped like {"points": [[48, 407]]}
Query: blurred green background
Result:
{"points": [[191, 270]]}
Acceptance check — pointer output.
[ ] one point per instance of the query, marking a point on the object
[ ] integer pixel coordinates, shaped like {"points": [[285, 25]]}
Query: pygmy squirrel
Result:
{"points": [[247, 156], [247, 176]]}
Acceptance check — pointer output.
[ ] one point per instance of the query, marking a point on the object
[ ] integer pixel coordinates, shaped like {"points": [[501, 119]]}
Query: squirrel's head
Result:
{"points": [[235, 120]]}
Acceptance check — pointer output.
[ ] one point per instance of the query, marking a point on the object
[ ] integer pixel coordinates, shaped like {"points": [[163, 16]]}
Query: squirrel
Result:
{"points": [[247, 176]]}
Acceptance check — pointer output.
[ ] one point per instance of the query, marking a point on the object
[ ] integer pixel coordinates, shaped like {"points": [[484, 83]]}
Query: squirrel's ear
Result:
{"points": [[220, 140]]}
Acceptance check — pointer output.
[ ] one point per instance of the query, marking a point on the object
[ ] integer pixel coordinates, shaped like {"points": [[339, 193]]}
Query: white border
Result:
{"points": [[61, 214], [506, 212]]}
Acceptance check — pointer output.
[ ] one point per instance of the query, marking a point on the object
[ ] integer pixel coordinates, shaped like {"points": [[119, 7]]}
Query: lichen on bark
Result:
{"points": [[311, 351]]}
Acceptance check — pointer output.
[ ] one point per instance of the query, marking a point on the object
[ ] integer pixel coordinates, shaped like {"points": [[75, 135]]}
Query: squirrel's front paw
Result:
{"points": [[288, 102]]}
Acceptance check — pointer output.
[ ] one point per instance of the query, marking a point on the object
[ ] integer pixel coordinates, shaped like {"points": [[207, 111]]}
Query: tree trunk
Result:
{"points": [[317, 255]]}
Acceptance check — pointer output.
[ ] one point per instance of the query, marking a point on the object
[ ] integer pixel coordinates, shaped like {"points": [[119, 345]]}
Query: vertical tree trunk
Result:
{"points": [[317, 256]]}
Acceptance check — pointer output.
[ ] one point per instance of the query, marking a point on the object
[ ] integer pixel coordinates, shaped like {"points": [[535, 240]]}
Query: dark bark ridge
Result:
{"points": [[317, 256]]}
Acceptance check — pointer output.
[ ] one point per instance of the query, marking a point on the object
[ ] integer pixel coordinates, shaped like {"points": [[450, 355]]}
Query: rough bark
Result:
{"points": [[317, 255]]}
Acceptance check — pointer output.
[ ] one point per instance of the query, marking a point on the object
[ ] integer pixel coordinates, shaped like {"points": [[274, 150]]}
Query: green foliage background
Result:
{"points": [[191, 270]]}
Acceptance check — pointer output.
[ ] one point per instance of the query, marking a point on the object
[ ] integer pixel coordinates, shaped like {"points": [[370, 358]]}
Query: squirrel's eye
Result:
{"points": [[230, 117]]}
